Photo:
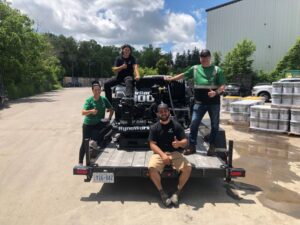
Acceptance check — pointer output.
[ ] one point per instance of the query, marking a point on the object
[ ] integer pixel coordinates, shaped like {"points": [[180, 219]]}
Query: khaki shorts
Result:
{"points": [[178, 161]]}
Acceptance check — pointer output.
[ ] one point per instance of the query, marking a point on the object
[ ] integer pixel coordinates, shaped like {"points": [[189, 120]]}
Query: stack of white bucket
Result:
{"points": [[227, 101], [240, 110], [286, 93], [295, 121], [263, 117]]}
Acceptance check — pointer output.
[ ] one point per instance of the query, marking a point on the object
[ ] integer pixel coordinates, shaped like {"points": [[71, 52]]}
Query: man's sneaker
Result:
{"points": [[175, 198], [190, 150], [165, 198], [211, 150]]}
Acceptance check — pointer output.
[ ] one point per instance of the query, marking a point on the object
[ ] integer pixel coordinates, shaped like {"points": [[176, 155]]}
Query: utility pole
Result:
{"points": [[90, 69], [73, 73]]}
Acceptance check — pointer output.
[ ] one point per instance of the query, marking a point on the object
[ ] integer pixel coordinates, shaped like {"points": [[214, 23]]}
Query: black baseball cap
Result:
{"points": [[205, 53]]}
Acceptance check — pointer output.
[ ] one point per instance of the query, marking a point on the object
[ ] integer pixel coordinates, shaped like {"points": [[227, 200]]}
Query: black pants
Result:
{"points": [[95, 132], [116, 80]]}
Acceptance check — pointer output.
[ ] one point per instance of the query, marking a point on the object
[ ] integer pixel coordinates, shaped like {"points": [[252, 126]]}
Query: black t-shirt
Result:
{"points": [[201, 95], [130, 61], [164, 135]]}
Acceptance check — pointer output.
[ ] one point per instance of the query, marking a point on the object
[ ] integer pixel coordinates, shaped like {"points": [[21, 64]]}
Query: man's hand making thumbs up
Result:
{"points": [[212, 93]]}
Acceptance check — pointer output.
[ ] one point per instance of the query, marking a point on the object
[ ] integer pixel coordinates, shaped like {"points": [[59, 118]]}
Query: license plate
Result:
{"points": [[103, 177]]}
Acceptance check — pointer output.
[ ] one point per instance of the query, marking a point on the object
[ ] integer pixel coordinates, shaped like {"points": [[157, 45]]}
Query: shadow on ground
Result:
{"points": [[31, 100], [196, 193], [45, 97]]}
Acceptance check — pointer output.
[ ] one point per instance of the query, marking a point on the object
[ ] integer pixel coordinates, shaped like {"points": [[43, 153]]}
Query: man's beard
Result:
{"points": [[164, 118]]}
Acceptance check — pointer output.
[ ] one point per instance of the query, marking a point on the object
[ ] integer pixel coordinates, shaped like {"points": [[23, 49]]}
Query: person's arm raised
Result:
{"points": [[176, 77]]}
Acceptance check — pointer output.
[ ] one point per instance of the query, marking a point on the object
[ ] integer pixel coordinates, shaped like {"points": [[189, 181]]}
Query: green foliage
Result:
{"points": [[149, 56], [181, 61], [289, 62], [27, 64], [217, 58], [162, 67], [147, 71], [262, 77], [238, 60], [12, 90], [186, 60], [89, 59]]}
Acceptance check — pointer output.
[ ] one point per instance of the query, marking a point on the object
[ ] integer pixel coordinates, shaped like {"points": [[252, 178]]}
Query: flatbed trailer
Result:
{"points": [[112, 163], [128, 154]]}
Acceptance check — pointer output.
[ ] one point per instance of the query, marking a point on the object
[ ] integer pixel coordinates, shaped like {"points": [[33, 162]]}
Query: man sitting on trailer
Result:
{"points": [[167, 139], [94, 111]]}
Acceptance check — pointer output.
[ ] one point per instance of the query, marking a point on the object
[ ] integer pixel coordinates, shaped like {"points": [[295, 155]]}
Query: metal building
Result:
{"points": [[273, 25]]}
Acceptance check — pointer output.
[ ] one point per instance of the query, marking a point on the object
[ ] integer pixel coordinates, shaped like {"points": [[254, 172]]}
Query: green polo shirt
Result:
{"points": [[101, 104], [204, 76]]}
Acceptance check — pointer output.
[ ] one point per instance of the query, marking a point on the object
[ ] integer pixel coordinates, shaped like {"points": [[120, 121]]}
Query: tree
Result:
{"points": [[162, 67], [169, 58], [85, 58], [149, 56], [195, 57], [66, 49], [289, 62], [189, 58], [144, 71], [217, 58], [238, 61], [26, 58], [185, 60], [180, 61]]}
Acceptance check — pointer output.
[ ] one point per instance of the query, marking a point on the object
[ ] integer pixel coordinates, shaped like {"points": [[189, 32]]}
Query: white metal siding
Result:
{"points": [[274, 23]]}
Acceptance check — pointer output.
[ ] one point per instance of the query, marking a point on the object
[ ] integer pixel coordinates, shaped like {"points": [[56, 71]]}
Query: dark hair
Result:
{"points": [[95, 83], [126, 46], [205, 53]]}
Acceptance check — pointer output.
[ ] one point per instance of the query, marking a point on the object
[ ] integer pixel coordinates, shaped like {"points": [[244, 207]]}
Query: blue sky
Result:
{"points": [[190, 6], [173, 25]]}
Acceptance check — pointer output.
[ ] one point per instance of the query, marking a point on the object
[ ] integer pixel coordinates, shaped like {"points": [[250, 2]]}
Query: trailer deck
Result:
{"points": [[113, 162], [112, 157]]}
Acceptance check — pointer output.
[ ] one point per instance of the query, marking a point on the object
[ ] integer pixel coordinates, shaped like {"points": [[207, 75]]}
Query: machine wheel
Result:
{"points": [[265, 95]]}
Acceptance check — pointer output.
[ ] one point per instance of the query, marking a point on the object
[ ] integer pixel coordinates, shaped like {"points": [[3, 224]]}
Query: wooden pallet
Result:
{"points": [[239, 123], [268, 130], [293, 134], [285, 106]]}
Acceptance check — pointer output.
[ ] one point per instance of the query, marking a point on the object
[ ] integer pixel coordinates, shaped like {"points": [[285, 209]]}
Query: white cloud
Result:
{"points": [[200, 16], [181, 26], [113, 22], [129, 5]]}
